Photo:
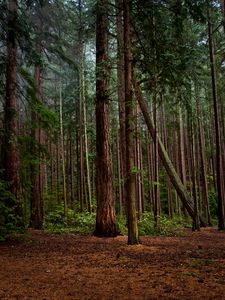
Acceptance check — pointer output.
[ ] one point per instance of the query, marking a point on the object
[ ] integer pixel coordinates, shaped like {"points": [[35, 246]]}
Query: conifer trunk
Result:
{"points": [[37, 212], [63, 153], [106, 225], [121, 92], [129, 112], [11, 158]]}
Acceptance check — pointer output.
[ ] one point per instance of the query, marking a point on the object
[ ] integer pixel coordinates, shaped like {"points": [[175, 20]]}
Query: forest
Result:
{"points": [[112, 126]]}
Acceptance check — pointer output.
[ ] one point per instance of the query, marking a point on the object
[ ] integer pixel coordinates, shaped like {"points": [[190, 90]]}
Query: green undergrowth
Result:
{"points": [[165, 226], [84, 223], [76, 223]]}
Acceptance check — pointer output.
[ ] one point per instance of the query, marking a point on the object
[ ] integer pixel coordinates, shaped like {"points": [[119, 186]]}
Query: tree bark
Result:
{"points": [[11, 158], [37, 211], [106, 225], [129, 112], [121, 92], [63, 154]]}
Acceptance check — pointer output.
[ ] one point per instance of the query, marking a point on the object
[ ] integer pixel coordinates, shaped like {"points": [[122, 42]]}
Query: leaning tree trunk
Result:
{"points": [[11, 154], [106, 224], [175, 179]]}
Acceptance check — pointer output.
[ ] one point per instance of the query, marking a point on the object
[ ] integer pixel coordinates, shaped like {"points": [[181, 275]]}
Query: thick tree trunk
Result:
{"points": [[106, 224], [11, 159], [129, 112], [175, 179]]}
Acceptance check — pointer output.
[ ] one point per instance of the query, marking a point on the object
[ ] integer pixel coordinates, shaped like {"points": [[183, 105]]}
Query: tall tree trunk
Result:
{"points": [[156, 169], [129, 112], [106, 224], [219, 167], [119, 175], [196, 225], [139, 181], [203, 163], [175, 179], [81, 155], [83, 102], [71, 150], [121, 91], [63, 153], [11, 159], [36, 174]]}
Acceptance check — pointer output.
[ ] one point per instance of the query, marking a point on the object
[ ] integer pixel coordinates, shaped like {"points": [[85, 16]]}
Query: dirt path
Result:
{"points": [[47, 266]]}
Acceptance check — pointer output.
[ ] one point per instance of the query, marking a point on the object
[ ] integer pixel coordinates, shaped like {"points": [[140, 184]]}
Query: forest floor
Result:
{"points": [[49, 266]]}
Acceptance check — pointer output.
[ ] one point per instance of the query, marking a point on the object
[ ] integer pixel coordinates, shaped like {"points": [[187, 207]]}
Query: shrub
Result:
{"points": [[8, 220]]}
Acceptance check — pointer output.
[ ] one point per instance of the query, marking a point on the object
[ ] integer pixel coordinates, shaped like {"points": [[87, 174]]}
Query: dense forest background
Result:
{"points": [[111, 112]]}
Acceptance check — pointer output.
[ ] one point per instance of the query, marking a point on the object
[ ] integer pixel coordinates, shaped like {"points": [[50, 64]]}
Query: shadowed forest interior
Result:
{"points": [[112, 125], [112, 116]]}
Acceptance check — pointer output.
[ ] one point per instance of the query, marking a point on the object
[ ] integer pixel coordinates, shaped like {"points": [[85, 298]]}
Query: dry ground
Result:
{"points": [[48, 266]]}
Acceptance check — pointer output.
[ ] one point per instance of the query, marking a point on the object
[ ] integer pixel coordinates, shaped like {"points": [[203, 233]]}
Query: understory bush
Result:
{"points": [[165, 226], [8, 220], [84, 223], [77, 222]]}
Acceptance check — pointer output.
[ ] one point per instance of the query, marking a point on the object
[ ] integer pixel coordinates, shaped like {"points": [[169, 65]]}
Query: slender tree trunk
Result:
{"points": [[121, 92], [81, 156], [139, 185], [196, 225], [36, 174], [11, 159], [129, 112], [106, 224], [119, 176], [219, 167], [203, 163], [156, 170], [63, 153], [71, 171], [83, 101]]}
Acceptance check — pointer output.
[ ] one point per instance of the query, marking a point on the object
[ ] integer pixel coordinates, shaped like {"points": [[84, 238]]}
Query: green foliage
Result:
{"points": [[166, 226], [122, 223], [77, 223], [198, 263], [192, 274], [7, 218], [213, 203]]}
